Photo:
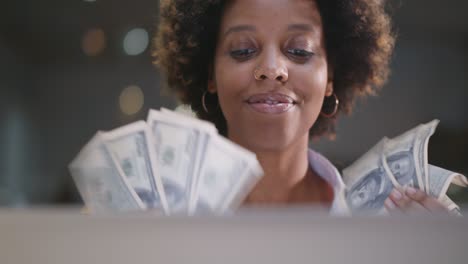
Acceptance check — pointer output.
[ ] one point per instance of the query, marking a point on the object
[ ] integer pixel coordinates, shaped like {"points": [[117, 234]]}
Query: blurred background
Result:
{"points": [[70, 68]]}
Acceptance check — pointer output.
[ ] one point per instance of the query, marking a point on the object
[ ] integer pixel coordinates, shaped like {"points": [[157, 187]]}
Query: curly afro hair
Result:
{"points": [[359, 43]]}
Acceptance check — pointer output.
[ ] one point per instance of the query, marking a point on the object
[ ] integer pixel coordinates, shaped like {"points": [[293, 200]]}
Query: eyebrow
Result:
{"points": [[238, 29], [303, 27]]}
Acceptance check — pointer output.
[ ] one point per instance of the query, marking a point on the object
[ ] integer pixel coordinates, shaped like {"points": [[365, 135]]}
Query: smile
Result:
{"points": [[271, 103]]}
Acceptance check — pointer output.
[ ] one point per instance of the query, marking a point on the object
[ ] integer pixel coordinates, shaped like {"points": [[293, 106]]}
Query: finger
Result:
{"points": [[391, 207], [417, 197], [415, 194], [414, 207], [398, 198], [405, 203], [425, 200]]}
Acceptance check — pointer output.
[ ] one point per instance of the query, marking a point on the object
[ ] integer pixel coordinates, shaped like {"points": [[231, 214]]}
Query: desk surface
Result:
{"points": [[283, 236]]}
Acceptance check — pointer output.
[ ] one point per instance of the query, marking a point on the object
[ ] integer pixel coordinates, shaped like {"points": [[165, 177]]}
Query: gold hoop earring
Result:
{"points": [[203, 102], [335, 101]]}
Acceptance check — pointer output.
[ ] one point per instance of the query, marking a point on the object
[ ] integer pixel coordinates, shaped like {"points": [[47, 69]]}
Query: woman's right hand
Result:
{"points": [[411, 200]]}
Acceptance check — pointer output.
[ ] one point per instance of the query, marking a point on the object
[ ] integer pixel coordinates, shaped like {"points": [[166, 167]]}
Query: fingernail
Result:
{"points": [[396, 194], [411, 190], [389, 204]]}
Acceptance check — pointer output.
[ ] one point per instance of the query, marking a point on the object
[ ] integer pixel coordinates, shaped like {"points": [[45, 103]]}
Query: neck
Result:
{"points": [[283, 169]]}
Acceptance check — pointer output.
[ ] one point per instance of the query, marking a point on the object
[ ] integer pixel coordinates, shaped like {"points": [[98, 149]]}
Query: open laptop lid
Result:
{"points": [[297, 235]]}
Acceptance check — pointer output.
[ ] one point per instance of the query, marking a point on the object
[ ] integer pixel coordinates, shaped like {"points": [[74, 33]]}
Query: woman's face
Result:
{"points": [[270, 71]]}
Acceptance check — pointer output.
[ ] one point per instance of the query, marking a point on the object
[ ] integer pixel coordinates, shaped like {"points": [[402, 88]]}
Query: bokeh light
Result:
{"points": [[93, 42], [136, 41], [131, 100]]}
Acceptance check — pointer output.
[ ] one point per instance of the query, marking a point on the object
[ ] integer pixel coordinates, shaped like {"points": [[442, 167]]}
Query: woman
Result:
{"points": [[271, 74]]}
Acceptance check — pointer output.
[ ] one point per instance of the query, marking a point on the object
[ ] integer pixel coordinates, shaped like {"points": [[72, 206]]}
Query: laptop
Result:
{"points": [[268, 235]]}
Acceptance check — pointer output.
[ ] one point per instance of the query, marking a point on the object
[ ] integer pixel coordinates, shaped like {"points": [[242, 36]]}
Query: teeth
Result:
{"points": [[270, 102], [271, 99]]}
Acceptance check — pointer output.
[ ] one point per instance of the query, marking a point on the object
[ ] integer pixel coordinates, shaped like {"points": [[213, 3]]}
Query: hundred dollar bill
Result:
{"points": [[100, 183], [179, 145], [401, 155], [422, 142], [440, 180], [369, 181], [404, 159], [205, 129], [131, 149], [451, 206], [228, 173]]}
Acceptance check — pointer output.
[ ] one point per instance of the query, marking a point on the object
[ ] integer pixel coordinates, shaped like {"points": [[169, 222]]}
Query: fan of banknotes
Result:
{"points": [[178, 164], [172, 163], [398, 162]]}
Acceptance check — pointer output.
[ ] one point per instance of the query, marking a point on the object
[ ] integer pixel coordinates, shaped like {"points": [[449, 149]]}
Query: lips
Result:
{"points": [[271, 103], [270, 98]]}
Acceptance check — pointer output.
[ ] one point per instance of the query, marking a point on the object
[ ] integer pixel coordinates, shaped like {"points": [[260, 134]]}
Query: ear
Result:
{"points": [[329, 89], [211, 86], [211, 80]]}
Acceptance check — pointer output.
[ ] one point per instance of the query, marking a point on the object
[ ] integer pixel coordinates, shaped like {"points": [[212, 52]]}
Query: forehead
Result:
{"points": [[271, 14]]}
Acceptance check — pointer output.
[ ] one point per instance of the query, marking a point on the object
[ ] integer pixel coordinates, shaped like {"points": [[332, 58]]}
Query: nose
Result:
{"points": [[272, 66]]}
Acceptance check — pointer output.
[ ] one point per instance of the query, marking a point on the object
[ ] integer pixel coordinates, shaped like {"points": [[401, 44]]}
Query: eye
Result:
{"points": [[242, 54], [300, 54]]}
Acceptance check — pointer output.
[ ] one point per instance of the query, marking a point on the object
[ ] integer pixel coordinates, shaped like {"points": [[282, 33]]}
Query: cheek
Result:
{"points": [[232, 80], [311, 85]]}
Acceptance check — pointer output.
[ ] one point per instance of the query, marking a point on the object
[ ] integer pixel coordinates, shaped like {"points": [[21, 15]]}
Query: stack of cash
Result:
{"points": [[171, 163], [398, 162]]}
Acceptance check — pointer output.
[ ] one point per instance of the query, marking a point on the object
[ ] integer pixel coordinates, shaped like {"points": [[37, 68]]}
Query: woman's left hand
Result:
{"points": [[410, 201]]}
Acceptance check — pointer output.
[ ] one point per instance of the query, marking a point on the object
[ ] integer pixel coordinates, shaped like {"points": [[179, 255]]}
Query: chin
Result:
{"points": [[267, 138], [260, 132]]}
